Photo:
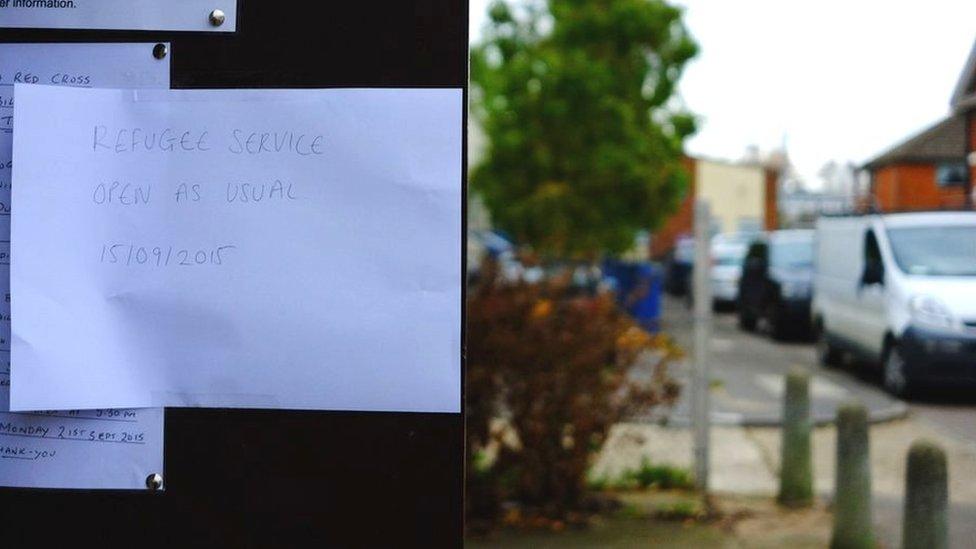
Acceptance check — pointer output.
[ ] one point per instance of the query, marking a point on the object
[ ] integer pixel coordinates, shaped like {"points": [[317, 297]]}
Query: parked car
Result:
{"points": [[900, 291], [727, 253], [484, 244], [777, 279], [677, 278]]}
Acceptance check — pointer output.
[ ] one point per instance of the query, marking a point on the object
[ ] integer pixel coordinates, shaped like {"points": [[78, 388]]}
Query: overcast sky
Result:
{"points": [[840, 79]]}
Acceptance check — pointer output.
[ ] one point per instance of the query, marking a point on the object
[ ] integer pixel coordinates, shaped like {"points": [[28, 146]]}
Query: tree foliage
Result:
{"points": [[576, 98]]}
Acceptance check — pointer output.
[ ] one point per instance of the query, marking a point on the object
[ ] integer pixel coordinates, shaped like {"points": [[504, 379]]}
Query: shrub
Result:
{"points": [[547, 376], [664, 477]]}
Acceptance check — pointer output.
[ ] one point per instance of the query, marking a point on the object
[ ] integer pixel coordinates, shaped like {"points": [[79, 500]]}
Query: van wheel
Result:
{"points": [[827, 354], [896, 379]]}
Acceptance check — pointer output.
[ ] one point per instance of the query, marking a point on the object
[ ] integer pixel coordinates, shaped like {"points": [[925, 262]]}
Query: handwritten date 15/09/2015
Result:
{"points": [[128, 254]]}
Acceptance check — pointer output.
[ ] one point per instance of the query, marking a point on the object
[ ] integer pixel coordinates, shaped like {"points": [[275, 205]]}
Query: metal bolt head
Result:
{"points": [[160, 51], [154, 482], [217, 18]]}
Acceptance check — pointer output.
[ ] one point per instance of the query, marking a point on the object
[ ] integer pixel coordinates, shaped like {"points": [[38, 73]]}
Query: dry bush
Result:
{"points": [[547, 376]]}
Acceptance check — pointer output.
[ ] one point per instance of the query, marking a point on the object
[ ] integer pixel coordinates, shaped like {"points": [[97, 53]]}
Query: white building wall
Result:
{"points": [[736, 193]]}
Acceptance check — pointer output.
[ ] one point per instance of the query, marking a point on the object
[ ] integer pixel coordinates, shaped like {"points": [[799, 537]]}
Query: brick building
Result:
{"points": [[741, 195], [928, 171], [933, 169]]}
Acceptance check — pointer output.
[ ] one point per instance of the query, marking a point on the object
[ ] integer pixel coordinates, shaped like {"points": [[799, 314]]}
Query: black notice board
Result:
{"points": [[270, 478]]}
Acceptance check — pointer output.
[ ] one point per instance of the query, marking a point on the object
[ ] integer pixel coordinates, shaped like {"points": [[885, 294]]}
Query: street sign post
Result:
{"points": [[703, 318]]}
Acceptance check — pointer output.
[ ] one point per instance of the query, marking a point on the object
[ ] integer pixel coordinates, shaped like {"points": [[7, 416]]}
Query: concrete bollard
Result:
{"points": [[852, 492], [926, 521], [796, 469]]}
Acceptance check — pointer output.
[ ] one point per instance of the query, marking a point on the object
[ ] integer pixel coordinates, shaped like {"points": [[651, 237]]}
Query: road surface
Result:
{"points": [[747, 371]]}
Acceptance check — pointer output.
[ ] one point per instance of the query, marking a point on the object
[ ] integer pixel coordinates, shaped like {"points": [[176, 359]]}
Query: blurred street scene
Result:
{"points": [[747, 393], [720, 278]]}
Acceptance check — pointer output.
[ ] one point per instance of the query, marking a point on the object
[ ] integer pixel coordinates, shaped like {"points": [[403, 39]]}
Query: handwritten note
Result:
{"points": [[71, 449], [172, 15], [265, 249]]}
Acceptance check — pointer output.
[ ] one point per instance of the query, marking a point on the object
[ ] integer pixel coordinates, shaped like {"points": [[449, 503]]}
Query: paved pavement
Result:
{"points": [[746, 395], [745, 460], [953, 414]]}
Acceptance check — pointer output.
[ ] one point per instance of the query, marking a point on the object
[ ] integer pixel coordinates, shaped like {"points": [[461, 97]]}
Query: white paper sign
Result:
{"points": [[162, 15], [74, 449], [265, 249]]}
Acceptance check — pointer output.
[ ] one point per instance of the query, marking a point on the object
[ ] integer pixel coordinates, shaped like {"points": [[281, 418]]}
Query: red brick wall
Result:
{"points": [[900, 187], [771, 221], [971, 119], [972, 130], [681, 222]]}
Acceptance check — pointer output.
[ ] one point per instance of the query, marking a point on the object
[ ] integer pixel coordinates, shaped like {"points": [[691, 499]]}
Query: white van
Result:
{"points": [[900, 291]]}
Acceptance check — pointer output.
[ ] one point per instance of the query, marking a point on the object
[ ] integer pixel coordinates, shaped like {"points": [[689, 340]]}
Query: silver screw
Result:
{"points": [[154, 482], [160, 51], [217, 18]]}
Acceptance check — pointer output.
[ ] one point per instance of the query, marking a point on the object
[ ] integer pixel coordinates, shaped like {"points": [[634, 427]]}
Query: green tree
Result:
{"points": [[576, 98]]}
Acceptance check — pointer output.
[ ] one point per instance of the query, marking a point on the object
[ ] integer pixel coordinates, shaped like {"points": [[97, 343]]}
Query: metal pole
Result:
{"points": [[703, 318]]}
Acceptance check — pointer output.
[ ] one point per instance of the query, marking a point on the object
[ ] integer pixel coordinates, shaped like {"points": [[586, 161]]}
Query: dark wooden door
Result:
{"points": [[271, 478]]}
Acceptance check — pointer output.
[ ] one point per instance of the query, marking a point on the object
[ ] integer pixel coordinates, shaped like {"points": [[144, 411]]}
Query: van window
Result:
{"points": [[872, 252], [935, 251]]}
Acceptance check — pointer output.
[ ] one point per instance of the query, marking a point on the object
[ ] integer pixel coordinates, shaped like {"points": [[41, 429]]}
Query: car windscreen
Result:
{"points": [[729, 256], [791, 254], [935, 251], [684, 252]]}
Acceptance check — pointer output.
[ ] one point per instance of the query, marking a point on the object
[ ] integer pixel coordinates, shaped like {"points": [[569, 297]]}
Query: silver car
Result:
{"points": [[728, 251]]}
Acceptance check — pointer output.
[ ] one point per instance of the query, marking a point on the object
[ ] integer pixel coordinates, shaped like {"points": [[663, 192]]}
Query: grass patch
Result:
{"points": [[663, 477], [648, 475], [680, 510]]}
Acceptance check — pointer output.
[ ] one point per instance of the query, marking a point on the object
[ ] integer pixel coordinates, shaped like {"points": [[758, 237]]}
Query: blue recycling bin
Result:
{"points": [[638, 288]]}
